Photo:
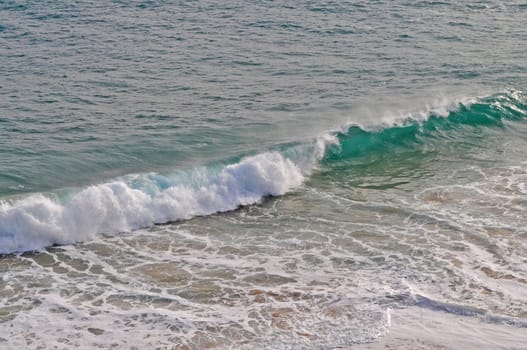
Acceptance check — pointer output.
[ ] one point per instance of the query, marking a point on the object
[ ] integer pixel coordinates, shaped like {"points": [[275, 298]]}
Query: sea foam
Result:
{"points": [[38, 221], [139, 201]]}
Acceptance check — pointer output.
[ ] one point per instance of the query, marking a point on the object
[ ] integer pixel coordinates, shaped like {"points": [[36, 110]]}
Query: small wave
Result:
{"points": [[462, 310], [441, 120]]}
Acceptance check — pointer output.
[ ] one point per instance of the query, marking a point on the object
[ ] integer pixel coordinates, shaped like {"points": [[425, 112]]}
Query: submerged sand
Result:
{"points": [[416, 328]]}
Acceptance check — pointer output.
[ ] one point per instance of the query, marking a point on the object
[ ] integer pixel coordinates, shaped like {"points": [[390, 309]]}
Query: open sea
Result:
{"points": [[303, 174]]}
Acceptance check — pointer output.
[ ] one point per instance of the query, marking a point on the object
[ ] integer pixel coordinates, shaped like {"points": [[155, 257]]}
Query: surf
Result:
{"points": [[136, 201]]}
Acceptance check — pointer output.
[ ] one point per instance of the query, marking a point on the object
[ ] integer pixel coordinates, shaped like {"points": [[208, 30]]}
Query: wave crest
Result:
{"points": [[39, 221], [138, 201]]}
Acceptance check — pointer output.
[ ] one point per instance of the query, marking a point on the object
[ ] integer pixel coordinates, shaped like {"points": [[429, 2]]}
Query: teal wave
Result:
{"points": [[142, 200], [495, 111]]}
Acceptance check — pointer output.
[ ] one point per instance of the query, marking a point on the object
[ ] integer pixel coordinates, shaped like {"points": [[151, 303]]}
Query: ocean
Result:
{"points": [[263, 174]]}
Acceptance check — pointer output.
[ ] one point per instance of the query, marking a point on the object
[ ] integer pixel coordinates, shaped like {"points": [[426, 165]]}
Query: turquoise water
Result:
{"points": [[258, 174]]}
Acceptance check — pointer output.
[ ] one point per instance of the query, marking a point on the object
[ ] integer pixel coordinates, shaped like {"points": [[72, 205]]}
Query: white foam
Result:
{"points": [[39, 221], [140, 201]]}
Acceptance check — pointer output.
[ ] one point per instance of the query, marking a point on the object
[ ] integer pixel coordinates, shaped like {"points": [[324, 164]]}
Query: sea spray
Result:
{"points": [[38, 221]]}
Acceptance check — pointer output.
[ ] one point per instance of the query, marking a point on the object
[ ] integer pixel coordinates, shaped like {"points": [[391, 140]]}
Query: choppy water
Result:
{"points": [[258, 175]]}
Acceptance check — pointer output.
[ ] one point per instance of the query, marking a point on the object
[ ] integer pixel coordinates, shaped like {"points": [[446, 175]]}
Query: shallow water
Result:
{"points": [[247, 175]]}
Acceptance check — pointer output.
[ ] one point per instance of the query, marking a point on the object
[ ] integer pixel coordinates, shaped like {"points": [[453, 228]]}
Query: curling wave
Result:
{"points": [[137, 201], [446, 122], [39, 221]]}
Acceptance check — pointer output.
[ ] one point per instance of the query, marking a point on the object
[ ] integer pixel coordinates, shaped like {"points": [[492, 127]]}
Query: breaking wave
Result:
{"points": [[136, 201]]}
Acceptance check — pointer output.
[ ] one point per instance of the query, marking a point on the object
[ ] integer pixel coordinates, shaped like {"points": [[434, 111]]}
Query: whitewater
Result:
{"points": [[263, 175], [139, 201]]}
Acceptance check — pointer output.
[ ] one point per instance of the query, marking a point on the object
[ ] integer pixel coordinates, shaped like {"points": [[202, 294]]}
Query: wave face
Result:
{"points": [[445, 123], [137, 201]]}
